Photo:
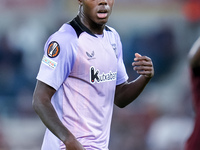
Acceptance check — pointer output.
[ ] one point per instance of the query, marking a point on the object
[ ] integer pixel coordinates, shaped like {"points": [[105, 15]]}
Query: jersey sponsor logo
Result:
{"points": [[52, 64], [95, 76], [53, 49]]}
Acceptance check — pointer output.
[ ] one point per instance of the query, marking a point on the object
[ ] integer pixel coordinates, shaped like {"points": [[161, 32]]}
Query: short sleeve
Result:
{"points": [[57, 61], [121, 70]]}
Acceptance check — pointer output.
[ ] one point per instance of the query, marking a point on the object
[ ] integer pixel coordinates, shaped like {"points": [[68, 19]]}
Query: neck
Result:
{"points": [[91, 25]]}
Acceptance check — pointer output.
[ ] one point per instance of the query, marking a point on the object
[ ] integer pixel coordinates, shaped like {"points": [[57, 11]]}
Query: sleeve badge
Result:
{"points": [[53, 49]]}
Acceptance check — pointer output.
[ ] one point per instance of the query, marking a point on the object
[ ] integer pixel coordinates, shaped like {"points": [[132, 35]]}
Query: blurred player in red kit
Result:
{"points": [[193, 143]]}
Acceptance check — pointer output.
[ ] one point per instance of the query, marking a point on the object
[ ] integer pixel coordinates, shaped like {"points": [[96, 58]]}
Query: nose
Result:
{"points": [[103, 2]]}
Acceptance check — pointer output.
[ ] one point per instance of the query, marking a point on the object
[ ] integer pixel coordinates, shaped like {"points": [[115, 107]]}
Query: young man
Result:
{"points": [[194, 64], [81, 76]]}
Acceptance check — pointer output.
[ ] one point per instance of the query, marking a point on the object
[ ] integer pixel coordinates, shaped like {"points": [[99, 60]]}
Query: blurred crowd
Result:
{"points": [[160, 119]]}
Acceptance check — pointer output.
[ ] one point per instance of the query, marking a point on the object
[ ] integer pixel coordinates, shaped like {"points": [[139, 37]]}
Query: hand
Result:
{"points": [[143, 65], [74, 145]]}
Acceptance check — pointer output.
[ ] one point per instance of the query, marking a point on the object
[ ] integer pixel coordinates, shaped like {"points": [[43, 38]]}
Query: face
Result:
{"points": [[96, 11]]}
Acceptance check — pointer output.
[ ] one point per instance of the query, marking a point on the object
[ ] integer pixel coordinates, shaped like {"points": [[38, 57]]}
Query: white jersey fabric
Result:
{"points": [[84, 69]]}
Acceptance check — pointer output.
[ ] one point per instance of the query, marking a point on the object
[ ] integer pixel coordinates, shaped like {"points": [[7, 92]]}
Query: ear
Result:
{"points": [[80, 2]]}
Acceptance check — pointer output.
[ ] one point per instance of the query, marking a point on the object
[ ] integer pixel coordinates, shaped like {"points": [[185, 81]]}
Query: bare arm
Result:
{"points": [[194, 54], [127, 92], [45, 110]]}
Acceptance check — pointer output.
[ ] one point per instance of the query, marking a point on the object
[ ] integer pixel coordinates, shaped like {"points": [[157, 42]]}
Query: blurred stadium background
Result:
{"points": [[160, 119]]}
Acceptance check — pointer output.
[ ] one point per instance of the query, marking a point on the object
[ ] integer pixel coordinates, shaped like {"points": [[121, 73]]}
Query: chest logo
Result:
{"points": [[90, 55], [53, 49], [95, 76]]}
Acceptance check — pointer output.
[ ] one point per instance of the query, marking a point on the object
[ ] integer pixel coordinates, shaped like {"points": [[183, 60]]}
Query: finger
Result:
{"points": [[142, 63], [145, 73], [137, 55], [142, 58], [143, 68]]}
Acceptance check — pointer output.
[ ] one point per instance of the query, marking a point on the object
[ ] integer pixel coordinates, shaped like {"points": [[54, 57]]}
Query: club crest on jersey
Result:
{"points": [[104, 77], [53, 49], [115, 49]]}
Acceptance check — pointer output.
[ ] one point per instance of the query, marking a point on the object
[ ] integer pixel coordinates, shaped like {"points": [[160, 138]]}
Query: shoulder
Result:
{"points": [[65, 38], [194, 54], [112, 31], [65, 33], [62, 42]]}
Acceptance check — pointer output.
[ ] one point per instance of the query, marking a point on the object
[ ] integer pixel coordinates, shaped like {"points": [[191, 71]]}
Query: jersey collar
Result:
{"points": [[79, 27]]}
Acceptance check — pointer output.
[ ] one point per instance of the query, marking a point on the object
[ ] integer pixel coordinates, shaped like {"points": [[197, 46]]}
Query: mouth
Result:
{"points": [[103, 13]]}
